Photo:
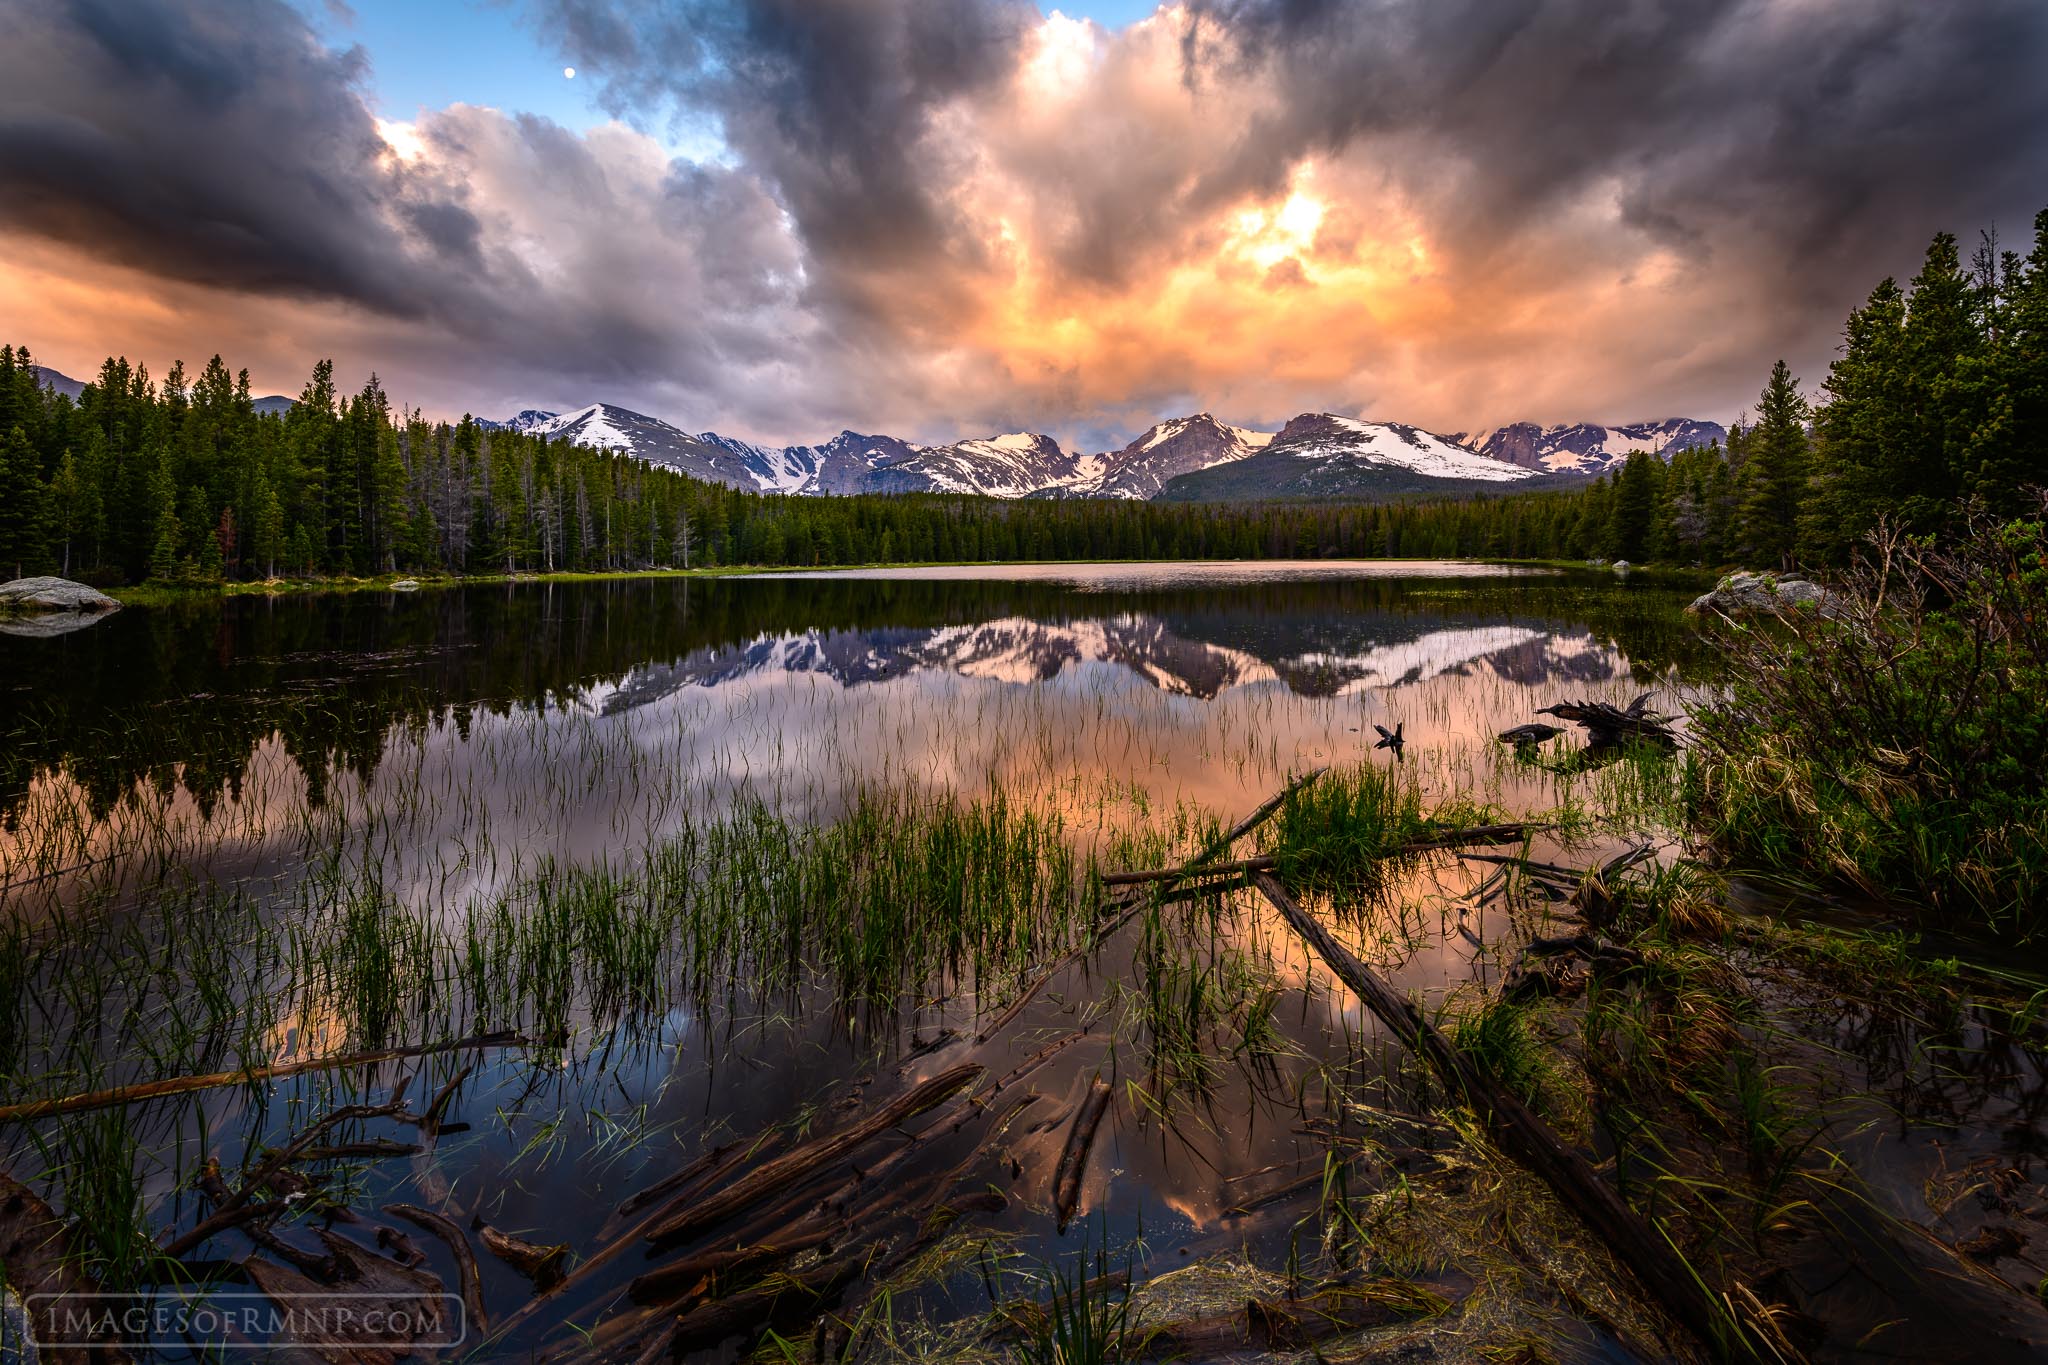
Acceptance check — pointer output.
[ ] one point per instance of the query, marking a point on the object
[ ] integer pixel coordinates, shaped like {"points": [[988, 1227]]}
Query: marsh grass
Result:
{"points": [[99, 1166], [1348, 836], [1893, 743], [1085, 1319], [904, 894], [1497, 1038]]}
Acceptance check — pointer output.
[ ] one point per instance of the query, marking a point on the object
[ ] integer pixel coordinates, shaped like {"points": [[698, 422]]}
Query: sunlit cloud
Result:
{"points": [[938, 217]]}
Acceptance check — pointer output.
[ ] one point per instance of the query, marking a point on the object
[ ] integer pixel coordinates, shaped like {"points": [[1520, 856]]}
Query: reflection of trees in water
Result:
{"points": [[182, 697], [1940, 1064]]}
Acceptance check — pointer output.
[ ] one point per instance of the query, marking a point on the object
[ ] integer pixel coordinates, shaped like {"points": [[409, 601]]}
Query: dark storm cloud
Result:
{"points": [[1801, 122], [1804, 148], [934, 214], [214, 143], [829, 100]]}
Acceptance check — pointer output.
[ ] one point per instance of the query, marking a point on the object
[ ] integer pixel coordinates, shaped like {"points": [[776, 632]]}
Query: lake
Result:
{"points": [[714, 865]]}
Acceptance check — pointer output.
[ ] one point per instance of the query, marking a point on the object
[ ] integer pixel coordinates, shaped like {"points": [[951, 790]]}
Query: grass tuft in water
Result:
{"points": [[1346, 835]]}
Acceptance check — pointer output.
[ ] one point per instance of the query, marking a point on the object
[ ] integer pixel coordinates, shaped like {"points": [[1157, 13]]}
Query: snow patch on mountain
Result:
{"points": [[1325, 436], [1326, 455], [1588, 447]]}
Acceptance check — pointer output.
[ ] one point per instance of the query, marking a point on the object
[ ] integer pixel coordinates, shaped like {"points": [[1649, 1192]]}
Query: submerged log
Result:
{"points": [[1606, 723], [541, 1264], [1073, 1163], [771, 1176], [668, 1283], [150, 1090], [1204, 862], [230, 1212], [1508, 833], [43, 1267], [698, 1173], [1634, 1242], [1040, 1058]]}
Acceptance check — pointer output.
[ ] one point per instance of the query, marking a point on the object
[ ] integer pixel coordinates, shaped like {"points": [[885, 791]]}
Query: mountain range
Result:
{"points": [[1186, 459]]}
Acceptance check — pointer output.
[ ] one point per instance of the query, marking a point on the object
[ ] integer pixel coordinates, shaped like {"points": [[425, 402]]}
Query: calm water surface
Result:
{"points": [[455, 741]]}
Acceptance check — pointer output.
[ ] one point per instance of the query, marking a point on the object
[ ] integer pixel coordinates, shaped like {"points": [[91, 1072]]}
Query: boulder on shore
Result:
{"points": [[53, 594], [1741, 594]]}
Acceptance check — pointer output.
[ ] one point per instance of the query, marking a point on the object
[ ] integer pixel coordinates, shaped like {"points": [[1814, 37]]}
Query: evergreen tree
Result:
{"points": [[1774, 471], [268, 539], [21, 528], [1632, 517], [68, 510]]}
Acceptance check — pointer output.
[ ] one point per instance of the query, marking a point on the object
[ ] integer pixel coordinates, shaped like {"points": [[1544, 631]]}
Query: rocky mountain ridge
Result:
{"points": [[1192, 458]]}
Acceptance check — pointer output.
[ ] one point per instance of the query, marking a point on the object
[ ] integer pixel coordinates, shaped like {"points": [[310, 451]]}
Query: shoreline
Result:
{"points": [[159, 594]]}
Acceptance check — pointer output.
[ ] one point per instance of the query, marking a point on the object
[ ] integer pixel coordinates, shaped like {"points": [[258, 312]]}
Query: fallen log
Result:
{"points": [[430, 1122], [466, 1270], [1179, 874], [783, 1301], [371, 1148], [1455, 838], [1205, 860], [150, 1090], [779, 1173], [1040, 1058], [668, 1283], [762, 1227], [46, 1278], [1016, 1006], [1635, 1244], [1073, 1163]]}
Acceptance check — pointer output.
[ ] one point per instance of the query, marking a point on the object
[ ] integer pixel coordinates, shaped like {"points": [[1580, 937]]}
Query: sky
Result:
{"points": [[944, 218]]}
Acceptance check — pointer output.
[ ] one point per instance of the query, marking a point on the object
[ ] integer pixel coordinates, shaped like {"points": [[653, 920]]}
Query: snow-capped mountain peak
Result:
{"points": [[1196, 457], [1182, 445], [1586, 447]]}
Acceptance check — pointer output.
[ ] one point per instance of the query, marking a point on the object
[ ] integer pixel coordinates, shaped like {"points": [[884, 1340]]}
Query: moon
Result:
{"points": [[569, 73]]}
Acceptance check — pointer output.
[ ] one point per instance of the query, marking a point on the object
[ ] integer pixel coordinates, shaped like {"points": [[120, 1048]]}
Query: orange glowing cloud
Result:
{"points": [[937, 217]]}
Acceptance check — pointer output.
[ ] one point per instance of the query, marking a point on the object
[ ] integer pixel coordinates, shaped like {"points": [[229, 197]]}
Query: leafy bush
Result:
{"points": [[1900, 740]]}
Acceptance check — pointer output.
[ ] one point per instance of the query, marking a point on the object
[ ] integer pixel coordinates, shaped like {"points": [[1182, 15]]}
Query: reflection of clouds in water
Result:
{"points": [[1100, 717]]}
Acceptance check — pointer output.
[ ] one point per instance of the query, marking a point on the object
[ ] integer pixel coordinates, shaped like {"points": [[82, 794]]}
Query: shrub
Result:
{"points": [[1900, 741]]}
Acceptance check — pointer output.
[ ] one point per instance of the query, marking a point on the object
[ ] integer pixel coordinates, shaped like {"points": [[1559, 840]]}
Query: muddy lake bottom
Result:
{"points": [[664, 887]]}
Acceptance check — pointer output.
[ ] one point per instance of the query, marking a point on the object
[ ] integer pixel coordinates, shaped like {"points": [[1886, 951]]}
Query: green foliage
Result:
{"points": [[1497, 1039], [1086, 1320], [1897, 741], [1346, 834], [1775, 474]]}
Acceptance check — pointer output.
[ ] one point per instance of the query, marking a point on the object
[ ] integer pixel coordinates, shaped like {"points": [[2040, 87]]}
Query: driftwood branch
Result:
{"points": [[224, 1214], [444, 1228], [1634, 1242]]}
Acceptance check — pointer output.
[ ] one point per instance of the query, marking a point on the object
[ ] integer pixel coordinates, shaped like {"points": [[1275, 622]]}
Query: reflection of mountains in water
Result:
{"points": [[1311, 657]]}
